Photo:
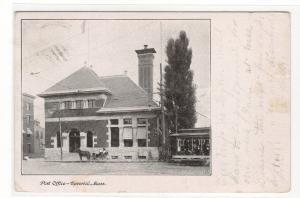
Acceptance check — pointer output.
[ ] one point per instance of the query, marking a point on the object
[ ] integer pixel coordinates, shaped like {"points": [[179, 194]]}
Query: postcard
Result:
{"points": [[112, 102]]}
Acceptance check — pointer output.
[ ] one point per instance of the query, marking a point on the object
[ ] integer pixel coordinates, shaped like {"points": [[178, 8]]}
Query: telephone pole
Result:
{"points": [[162, 108], [60, 135], [161, 92]]}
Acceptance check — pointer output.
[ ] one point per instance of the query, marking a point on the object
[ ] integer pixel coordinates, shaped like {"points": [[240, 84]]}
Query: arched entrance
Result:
{"points": [[74, 140]]}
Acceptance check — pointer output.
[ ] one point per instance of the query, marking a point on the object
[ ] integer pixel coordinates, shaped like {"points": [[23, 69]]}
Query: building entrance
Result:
{"points": [[74, 140]]}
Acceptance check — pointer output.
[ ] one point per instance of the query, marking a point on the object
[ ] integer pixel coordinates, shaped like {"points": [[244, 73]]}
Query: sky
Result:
{"points": [[54, 49]]}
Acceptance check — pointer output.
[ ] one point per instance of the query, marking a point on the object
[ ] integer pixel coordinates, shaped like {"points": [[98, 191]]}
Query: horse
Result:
{"points": [[86, 154]]}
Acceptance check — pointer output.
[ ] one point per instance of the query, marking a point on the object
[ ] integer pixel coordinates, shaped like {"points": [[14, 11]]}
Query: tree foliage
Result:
{"points": [[179, 87]]}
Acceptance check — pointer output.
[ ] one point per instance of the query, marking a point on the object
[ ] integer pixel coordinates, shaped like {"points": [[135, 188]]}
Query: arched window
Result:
{"points": [[58, 139], [89, 139]]}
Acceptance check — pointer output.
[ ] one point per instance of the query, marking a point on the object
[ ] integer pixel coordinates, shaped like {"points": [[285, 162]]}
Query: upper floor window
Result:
{"points": [[68, 104], [114, 121], [27, 106], [141, 121], [127, 121], [27, 119], [79, 104], [91, 103]]}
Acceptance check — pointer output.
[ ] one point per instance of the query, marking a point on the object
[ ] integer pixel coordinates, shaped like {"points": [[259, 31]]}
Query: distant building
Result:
{"points": [[109, 112], [39, 138], [31, 131], [28, 124]]}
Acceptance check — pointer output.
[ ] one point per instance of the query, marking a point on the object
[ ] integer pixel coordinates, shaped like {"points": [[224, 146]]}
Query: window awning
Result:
{"points": [[127, 133], [141, 133]]}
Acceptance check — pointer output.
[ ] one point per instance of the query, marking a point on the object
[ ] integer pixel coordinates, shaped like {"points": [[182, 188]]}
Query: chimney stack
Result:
{"points": [[145, 66]]}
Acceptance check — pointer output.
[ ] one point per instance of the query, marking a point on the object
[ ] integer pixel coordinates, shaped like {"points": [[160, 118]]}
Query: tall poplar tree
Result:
{"points": [[180, 96]]}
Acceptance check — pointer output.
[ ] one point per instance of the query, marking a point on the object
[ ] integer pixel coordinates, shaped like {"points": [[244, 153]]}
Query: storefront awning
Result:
{"points": [[127, 133], [141, 133]]}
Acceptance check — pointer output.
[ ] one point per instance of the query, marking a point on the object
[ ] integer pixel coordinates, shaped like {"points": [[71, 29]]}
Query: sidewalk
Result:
{"points": [[40, 167]]}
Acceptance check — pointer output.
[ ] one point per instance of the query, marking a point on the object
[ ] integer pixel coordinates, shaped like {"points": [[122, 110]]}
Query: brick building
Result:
{"points": [[28, 124], [39, 139], [109, 112]]}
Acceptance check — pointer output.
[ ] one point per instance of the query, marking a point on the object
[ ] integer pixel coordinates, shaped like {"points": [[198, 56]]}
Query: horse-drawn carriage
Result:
{"points": [[101, 155]]}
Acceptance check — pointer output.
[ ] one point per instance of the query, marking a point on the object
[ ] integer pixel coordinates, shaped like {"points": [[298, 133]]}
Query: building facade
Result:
{"points": [[39, 139], [88, 112], [28, 124]]}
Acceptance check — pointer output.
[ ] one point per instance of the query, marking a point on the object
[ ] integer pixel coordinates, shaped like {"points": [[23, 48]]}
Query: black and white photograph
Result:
{"points": [[116, 96], [155, 102]]}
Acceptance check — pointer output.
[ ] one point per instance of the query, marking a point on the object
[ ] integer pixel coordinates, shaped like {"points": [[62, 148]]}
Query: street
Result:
{"points": [[38, 166]]}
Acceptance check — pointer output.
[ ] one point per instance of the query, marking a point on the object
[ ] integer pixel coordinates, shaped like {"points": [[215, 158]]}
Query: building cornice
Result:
{"points": [[128, 109], [74, 91]]}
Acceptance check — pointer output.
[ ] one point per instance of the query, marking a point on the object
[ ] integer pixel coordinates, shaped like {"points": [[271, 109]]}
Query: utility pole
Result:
{"points": [[176, 118], [60, 135], [161, 91], [162, 108]]}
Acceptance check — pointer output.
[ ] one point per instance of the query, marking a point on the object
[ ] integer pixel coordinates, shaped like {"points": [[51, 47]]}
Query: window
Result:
{"points": [[91, 103], [68, 104], [52, 105], [79, 104], [141, 136], [128, 137], [29, 147], [127, 121], [89, 139], [141, 121], [142, 143], [62, 105], [27, 106], [27, 119], [128, 143], [114, 121], [128, 157], [58, 139], [114, 136]]}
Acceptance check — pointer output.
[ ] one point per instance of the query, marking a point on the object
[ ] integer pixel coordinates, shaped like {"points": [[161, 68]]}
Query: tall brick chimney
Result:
{"points": [[145, 65]]}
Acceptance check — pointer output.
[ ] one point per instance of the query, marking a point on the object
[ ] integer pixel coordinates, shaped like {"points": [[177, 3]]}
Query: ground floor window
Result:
{"points": [[128, 136], [128, 143], [141, 136], [142, 143], [89, 139], [114, 137], [29, 148]]}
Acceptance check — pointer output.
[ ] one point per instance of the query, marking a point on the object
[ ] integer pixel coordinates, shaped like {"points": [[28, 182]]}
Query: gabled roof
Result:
{"points": [[123, 92], [82, 80]]}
